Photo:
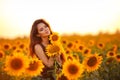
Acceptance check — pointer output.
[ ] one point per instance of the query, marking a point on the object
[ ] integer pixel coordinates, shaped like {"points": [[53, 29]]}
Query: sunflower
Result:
{"points": [[77, 41], [64, 41], [91, 42], [75, 45], [86, 52], [92, 62], [54, 37], [70, 45], [114, 48], [53, 49], [6, 46], [2, 54], [18, 50], [35, 67], [117, 57], [70, 57], [68, 51], [100, 45], [19, 47], [14, 47], [22, 45], [16, 64], [76, 56], [61, 77], [80, 47], [111, 54], [72, 69], [17, 41], [73, 57]]}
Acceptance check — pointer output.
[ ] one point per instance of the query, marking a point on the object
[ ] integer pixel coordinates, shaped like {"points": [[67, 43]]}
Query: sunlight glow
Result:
{"points": [[73, 16]]}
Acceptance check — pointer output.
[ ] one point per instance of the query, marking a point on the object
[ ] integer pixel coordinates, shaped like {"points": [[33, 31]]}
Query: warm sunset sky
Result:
{"points": [[64, 16]]}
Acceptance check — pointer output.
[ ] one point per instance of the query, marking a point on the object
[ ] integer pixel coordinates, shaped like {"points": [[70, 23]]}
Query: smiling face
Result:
{"points": [[43, 30]]}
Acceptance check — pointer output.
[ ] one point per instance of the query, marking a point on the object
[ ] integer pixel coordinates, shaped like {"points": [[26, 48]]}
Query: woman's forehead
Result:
{"points": [[40, 25]]}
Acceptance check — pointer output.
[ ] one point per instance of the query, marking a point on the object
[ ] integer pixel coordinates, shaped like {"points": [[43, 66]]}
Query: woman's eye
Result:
{"points": [[41, 30]]}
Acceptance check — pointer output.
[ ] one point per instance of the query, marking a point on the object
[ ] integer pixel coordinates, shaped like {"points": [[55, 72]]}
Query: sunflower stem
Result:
{"points": [[55, 67]]}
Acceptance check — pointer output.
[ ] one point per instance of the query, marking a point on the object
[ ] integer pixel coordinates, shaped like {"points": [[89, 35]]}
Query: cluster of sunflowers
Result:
{"points": [[16, 64], [84, 57]]}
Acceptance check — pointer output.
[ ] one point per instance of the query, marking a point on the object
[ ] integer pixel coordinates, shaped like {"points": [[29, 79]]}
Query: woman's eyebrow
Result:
{"points": [[45, 26], [40, 28]]}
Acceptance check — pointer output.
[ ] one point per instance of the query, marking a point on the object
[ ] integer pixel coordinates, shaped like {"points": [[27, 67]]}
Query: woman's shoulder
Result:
{"points": [[40, 46], [37, 46]]}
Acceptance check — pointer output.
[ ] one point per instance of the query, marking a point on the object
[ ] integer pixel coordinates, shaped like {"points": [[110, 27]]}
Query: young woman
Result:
{"points": [[39, 39]]}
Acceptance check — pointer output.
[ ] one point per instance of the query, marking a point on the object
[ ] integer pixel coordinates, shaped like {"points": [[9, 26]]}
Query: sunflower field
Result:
{"points": [[84, 57]]}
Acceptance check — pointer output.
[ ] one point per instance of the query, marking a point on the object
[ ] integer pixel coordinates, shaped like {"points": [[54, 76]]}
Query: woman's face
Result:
{"points": [[43, 30]]}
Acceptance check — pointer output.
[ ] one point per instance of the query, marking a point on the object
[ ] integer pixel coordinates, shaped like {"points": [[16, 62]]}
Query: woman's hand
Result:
{"points": [[58, 59], [50, 61]]}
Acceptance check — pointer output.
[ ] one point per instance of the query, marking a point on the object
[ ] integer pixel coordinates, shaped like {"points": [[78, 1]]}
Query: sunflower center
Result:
{"points": [[21, 46], [67, 51], [16, 64], [72, 69], [86, 51], [33, 66], [54, 49], [54, 37], [111, 54], [70, 45], [118, 56], [80, 47], [76, 41], [14, 47], [1, 55], [6, 46], [92, 61], [64, 42], [101, 45]]}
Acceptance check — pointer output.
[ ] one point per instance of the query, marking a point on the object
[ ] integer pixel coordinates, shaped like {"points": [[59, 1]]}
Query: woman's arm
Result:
{"points": [[58, 59], [40, 53]]}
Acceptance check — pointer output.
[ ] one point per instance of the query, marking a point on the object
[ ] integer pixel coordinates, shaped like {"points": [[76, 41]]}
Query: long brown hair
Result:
{"points": [[33, 38]]}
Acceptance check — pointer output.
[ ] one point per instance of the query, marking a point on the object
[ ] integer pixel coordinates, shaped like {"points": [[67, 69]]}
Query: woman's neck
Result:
{"points": [[45, 41]]}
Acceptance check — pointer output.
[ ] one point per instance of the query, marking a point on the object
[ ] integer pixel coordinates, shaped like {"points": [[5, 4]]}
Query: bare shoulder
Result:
{"points": [[37, 46], [39, 51]]}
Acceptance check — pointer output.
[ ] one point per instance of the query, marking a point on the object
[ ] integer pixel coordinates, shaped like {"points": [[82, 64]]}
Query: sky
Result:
{"points": [[64, 16]]}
